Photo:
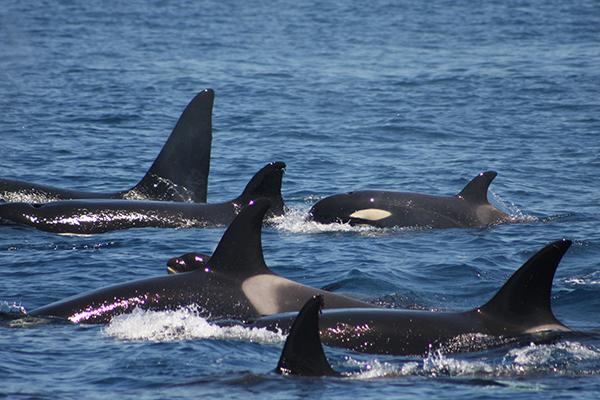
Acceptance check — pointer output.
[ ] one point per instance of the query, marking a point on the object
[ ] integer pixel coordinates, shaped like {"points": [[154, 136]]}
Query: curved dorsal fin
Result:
{"points": [[525, 297], [476, 190], [180, 172], [303, 351], [240, 249], [266, 183]]}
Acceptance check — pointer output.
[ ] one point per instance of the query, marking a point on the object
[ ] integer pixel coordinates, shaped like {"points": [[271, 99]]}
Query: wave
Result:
{"points": [[181, 324], [294, 221], [562, 358]]}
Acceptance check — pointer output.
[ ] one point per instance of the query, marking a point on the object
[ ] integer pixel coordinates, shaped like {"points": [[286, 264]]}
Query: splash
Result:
{"points": [[514, 212], [14, 315], [181, 324], [588, 279], [295, 221], [12, 308], [564, 358], [559, 358]]}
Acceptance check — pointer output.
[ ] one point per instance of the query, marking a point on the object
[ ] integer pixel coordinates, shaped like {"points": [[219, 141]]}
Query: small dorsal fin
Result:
{"points": [[303, 351], [240, 249], [525, 297], [266, 183], [476, 190], [180, 172]]}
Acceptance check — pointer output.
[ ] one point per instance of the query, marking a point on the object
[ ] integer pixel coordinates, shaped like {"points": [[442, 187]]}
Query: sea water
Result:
{"points": [[396, 95]]}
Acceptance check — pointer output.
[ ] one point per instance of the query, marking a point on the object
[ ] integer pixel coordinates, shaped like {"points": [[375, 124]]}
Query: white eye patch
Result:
{"points": [[371, 214]]}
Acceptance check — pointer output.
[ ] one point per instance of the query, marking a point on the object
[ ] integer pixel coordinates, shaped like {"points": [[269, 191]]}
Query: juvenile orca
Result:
{"points": [[179, 173], [236, 284], [469, 208], [520, 308], [98, 216]]}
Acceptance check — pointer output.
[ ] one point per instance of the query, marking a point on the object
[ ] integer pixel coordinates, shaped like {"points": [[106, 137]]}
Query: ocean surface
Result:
{"points": [[398, 95]]}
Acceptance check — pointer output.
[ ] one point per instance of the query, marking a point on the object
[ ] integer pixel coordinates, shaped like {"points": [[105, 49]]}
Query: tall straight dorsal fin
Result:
{"points": [[240, 249], [266, 183], [526, 297], [303, 351], [476, 190], [180, 172]]}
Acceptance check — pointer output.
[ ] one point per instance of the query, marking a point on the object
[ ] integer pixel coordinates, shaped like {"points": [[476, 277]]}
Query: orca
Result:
{"points": [[520, 309], [179, 173], [99, 216], [235, 284], [469, 208]]}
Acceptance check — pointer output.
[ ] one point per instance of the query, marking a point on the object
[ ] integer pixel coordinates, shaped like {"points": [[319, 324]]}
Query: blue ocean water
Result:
{"points": [[398, 95]]}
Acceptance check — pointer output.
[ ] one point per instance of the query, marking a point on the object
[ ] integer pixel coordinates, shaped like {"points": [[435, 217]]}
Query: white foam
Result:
{"points": [[531, 359], [514, 212], [12, 308], [434, 365], [589, 279], [540, 355], [373, 369], [294, 221], [182, 324]]}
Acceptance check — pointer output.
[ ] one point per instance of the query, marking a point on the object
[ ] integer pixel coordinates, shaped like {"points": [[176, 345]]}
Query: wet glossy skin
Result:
{"points": [[521, 307], [210, 291], [405, 210], [404, 332], [97, 216], [234, 284], [469, 208], [187, 263]]}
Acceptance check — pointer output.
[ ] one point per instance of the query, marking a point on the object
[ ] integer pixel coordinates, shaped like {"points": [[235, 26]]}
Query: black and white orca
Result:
{"points": [[98, 216], [521, 308], [235, 284], [469, 208]]}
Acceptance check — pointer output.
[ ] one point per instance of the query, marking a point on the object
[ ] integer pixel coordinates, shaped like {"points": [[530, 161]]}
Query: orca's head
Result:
{"points": [[20, 213], [352, 207], [187, 263]]}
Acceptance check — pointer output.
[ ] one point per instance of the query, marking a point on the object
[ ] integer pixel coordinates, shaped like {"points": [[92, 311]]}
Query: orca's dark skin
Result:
{"points": [[521, 308], [98, 216], [187, 262], [179, 173], [235, 284], [303, 351], [469, 208]]}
